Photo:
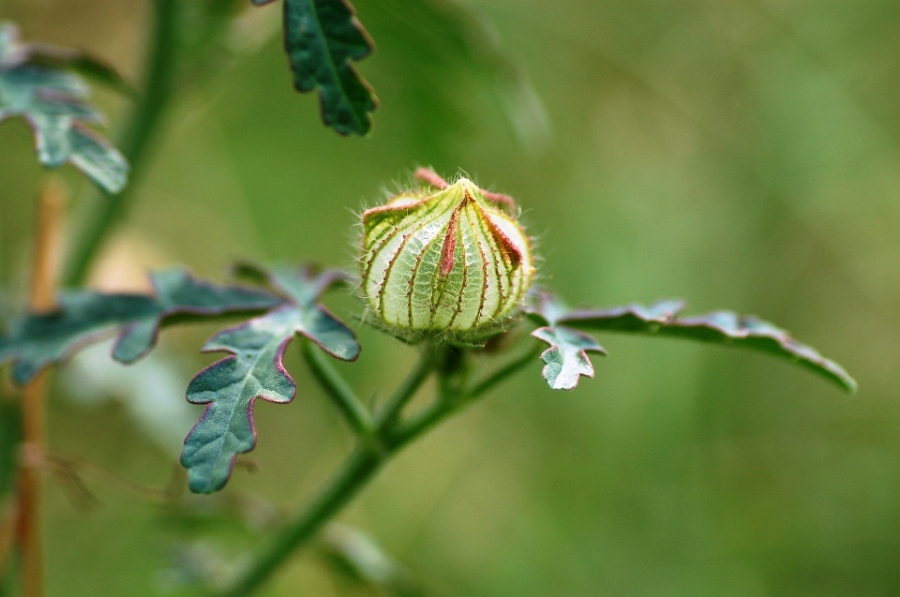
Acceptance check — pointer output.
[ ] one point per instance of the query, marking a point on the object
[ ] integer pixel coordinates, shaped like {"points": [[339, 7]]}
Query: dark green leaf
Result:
{"points": [[322, 38], [52, 102], [254, 370], [36, 341], [663, 318]]}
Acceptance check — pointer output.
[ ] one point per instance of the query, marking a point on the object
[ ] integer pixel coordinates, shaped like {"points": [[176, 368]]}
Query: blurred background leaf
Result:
{"points": [[360, 560], [54, 103], [740, 154]]}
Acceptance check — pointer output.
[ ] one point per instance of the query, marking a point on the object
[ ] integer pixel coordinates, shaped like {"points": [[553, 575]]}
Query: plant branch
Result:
{"points": [[508, 370], [156, 94], [341, 394]]}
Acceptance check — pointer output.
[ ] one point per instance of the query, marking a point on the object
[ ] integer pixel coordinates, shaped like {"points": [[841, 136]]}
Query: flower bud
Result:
{"points": [[445, 260]]}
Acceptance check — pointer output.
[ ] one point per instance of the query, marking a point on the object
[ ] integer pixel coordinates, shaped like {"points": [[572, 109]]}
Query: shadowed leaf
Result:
{"points": [[52, 102], [322, 38], [663, 318], [254, 370], [36, 341]]}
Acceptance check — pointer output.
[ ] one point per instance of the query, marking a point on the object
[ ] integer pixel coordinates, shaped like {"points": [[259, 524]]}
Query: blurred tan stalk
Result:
{"points": [[48, 241]]}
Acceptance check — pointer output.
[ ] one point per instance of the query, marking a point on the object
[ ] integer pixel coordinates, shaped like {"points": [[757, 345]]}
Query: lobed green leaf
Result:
{"points": [[36, 341], [663, 318], [52, 101], [254, 369], [322, 39]]}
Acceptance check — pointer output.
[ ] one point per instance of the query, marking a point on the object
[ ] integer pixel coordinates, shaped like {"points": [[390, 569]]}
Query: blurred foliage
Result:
{"points": [[737, 153], [53, 102]]}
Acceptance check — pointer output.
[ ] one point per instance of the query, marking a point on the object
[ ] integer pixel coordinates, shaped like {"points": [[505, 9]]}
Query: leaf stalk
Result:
{"points": [[407, 390], [341, 394]]}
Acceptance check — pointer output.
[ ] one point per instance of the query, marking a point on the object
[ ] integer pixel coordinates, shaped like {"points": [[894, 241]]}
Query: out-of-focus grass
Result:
{"points": [[739, 153]]}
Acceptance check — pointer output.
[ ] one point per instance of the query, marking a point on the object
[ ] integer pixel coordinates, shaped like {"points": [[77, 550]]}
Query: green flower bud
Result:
{"points": [[445, 260]]}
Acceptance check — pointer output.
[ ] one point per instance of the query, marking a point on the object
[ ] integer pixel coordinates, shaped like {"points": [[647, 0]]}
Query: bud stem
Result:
{"points": [[406, 391]]}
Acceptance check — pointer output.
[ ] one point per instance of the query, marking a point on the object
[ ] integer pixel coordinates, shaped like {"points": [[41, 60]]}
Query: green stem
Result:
{"points": [[508, 370], [156, 93], [362, 464], [356, 471], [341, 394], [451, 401]]}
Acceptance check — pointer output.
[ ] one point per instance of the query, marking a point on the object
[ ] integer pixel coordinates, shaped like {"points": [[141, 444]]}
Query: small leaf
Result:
{"points": [[663, 318], [36, 341], [566, 359], [254, 370], [52, 102], [322, 38]]}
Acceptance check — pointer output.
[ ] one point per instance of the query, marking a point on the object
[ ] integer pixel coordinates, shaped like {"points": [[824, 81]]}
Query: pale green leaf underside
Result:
{"points": [[566, 360]]}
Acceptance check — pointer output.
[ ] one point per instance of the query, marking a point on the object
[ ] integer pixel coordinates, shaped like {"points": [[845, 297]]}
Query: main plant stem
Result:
{"points": [[390, 436], [156, 92]]}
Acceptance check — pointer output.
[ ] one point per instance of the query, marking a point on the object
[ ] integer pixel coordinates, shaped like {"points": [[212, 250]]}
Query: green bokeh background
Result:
{"points": [[736, 153]]}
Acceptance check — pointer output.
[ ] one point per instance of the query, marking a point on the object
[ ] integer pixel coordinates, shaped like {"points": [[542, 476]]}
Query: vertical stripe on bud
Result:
{"points": [[445, 260]]}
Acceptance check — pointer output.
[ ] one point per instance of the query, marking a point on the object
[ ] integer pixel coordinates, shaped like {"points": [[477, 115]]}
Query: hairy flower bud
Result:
{"points": [[445, 260]]}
